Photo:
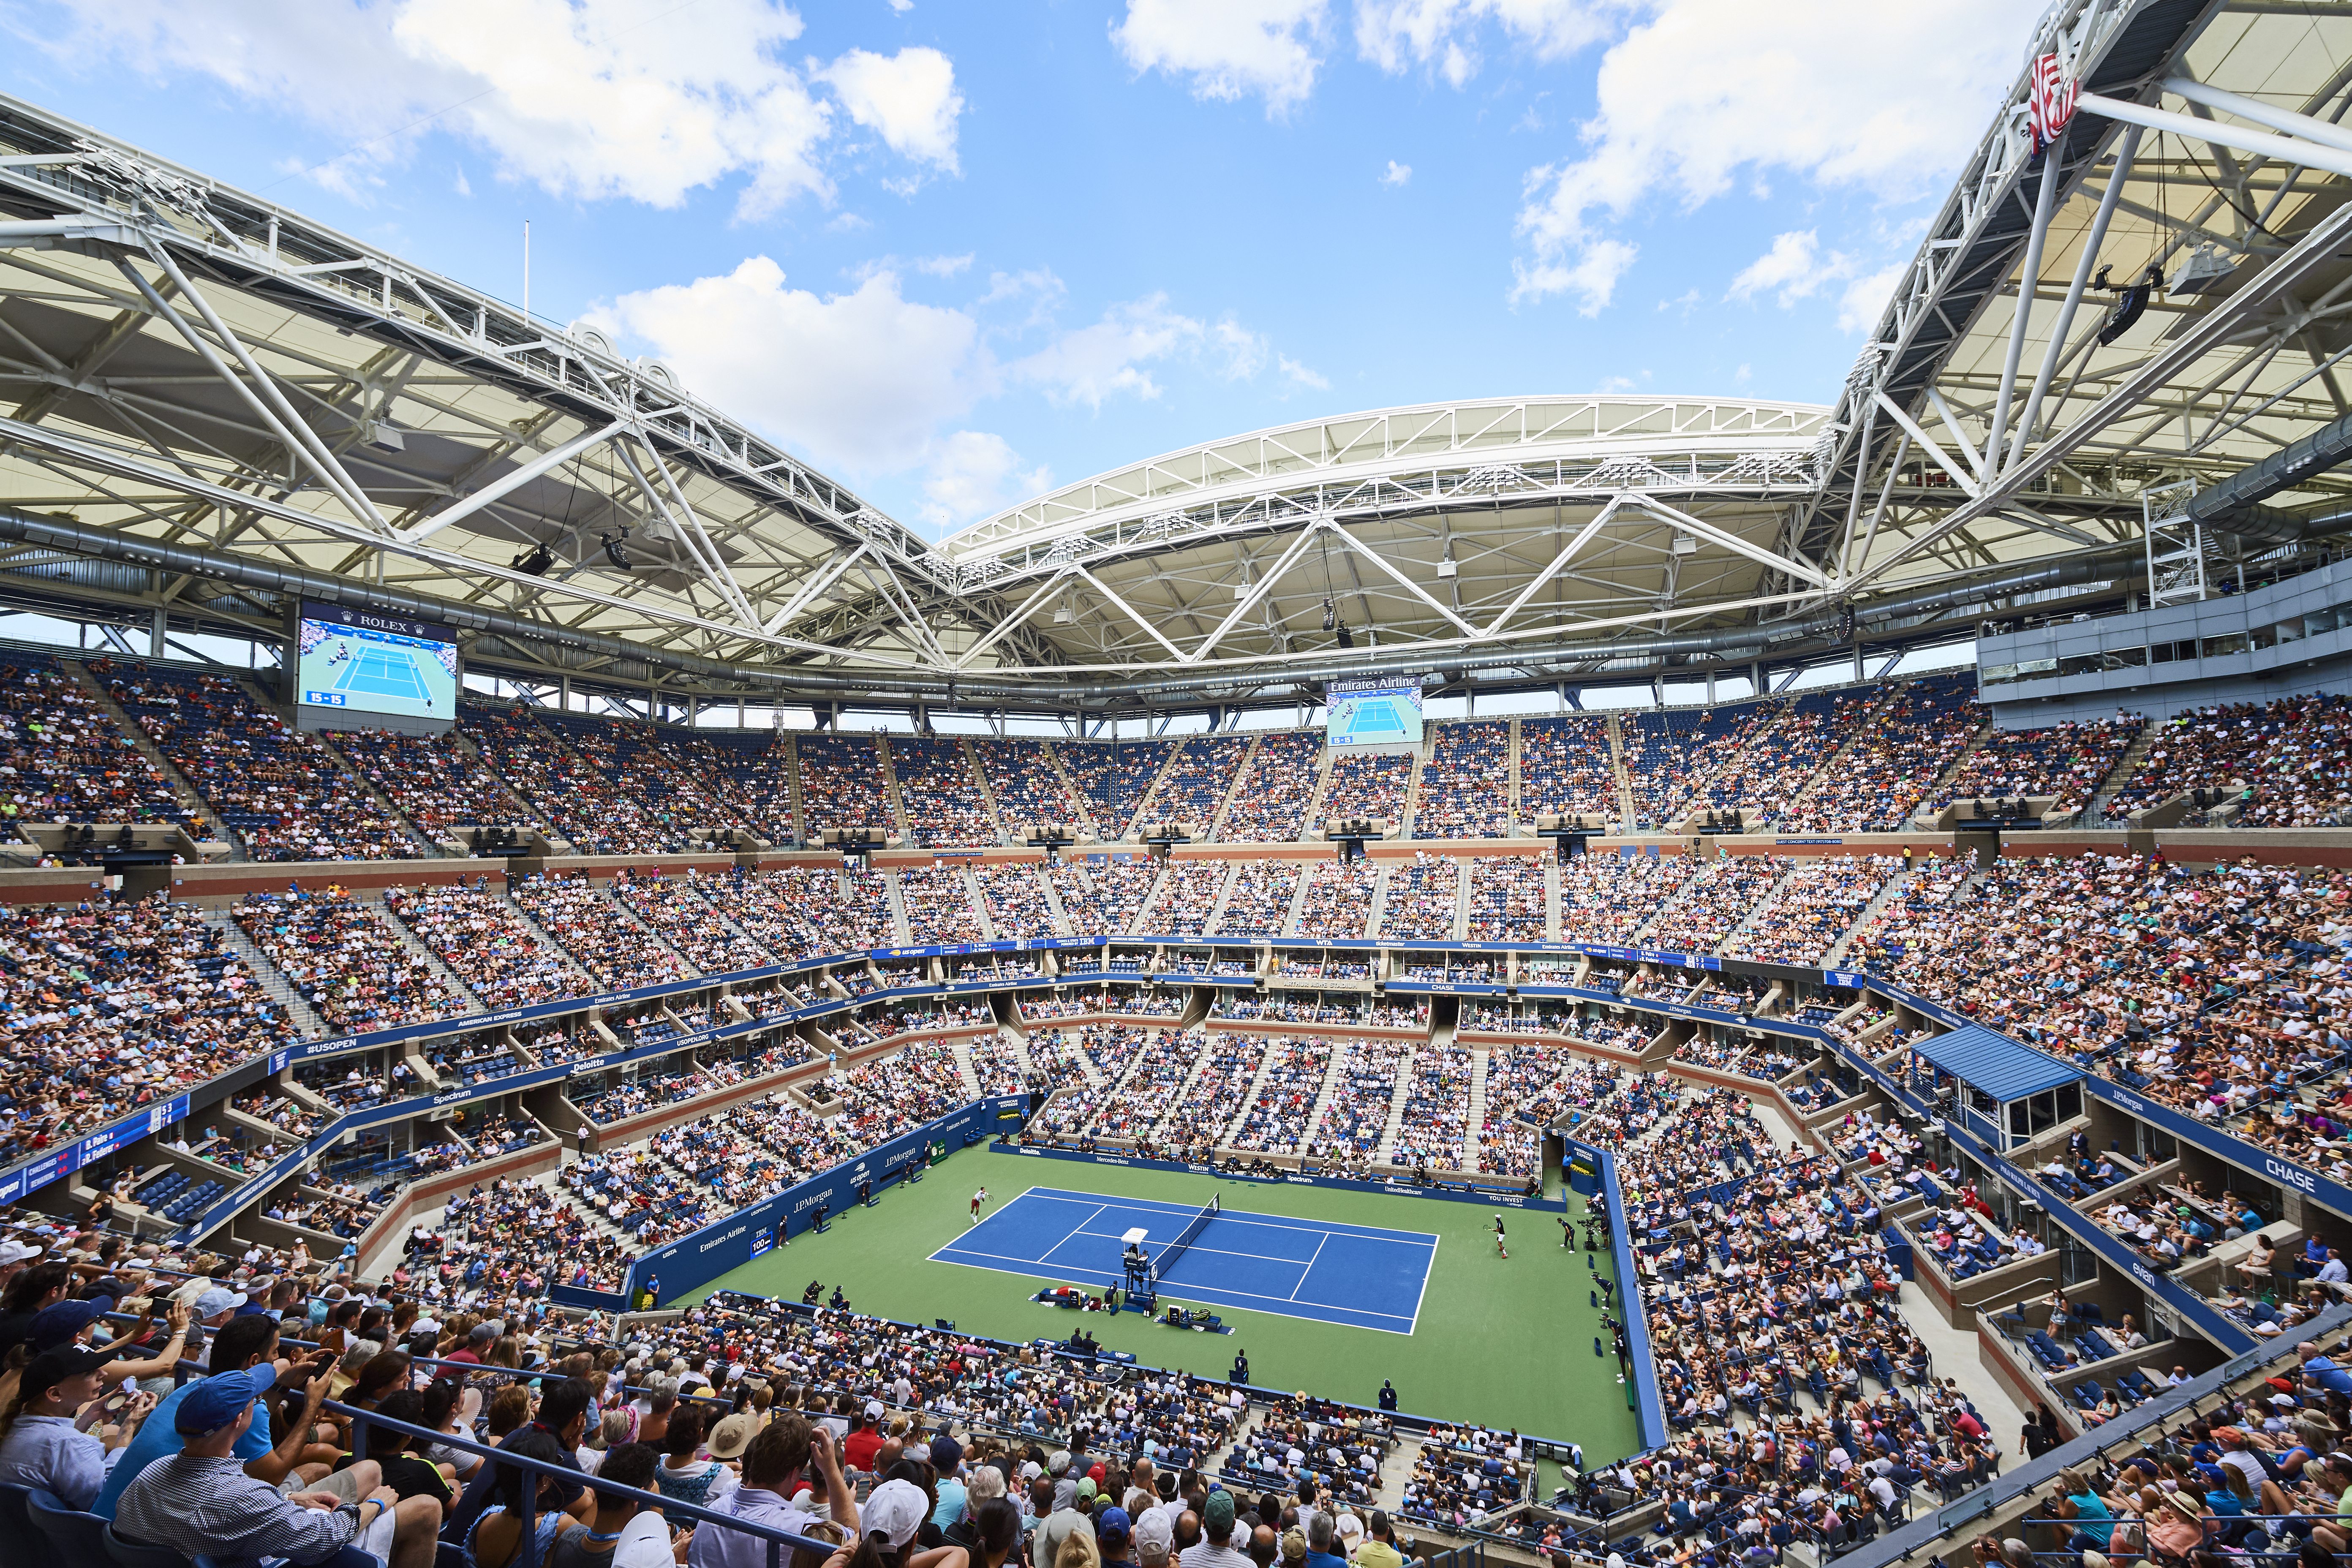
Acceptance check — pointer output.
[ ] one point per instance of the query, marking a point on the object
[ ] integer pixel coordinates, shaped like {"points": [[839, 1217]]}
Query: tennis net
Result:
{"points": [[1175, 1250]]}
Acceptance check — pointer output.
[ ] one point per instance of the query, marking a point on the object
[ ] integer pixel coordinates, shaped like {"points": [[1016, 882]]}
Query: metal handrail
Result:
{"points": [[528, 1544]]}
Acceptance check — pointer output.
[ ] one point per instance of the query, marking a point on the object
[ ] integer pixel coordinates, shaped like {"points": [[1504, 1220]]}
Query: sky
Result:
{"points": [[956, 253]]}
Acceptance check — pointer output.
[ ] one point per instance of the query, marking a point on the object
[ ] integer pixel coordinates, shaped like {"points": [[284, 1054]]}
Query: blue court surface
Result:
{"points": [[1317, 1269], [384, 672]]}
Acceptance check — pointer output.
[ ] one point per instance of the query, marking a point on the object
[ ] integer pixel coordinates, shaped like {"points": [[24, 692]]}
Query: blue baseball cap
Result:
{"points": [[57, 1325], [220, 1399], [1112, 1524]]}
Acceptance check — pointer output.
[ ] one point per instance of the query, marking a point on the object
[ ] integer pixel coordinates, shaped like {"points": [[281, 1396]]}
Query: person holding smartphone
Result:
{"points": [[45, 1432]]}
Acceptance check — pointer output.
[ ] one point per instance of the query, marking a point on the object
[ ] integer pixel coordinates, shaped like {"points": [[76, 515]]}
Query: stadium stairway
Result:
{"points": [[1234, 790], [1936, 794], [1289, 926], [1387, 1145], [900, 927], [579, 974], [791, 766], [1623, 782], [2095, 814], [192, 799], [987, 922], [1082, 814], [271, 978], [525, 811], [959, 1048], [1513, 790], [440, 971], [1323, 1093], [1551, 898], [717, 915], [1477, 1121], [384, 802], [1755, 910], [1866, 726], [1226, 1129], [1150, 790], [1421, 754], [1869, 915], [987, 791], [1312, 826], [1225, 895], [897, 804], [1054, 901]]}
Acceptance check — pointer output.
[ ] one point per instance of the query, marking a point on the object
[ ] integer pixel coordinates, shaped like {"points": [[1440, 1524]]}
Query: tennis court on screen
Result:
{"points": [[384, 672], [1328, 1273]]}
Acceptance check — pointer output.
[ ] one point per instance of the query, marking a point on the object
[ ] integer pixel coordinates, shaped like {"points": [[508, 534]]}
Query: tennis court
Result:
{"points": [[384, 672], [1325, 1272]]}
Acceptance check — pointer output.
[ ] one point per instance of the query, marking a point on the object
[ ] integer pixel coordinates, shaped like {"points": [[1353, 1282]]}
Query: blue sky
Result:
{"points": [[955, 253]]}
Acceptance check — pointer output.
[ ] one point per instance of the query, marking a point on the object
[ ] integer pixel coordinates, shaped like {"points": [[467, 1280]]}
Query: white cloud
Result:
{"points": [[1441, 35], [1243, 351], [944, 266], [591, 100], [859, 380], [1708, 94], [1398, 173], [972, 473], [902, 6], [1590, 273], [1229, 49], [1299, 375], [908, 99], [1094, 362], [1795, 267], [1865, 299]]}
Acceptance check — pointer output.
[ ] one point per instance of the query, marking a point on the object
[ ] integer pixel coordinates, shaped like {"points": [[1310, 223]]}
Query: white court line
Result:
{"points": [[1252, 1216], [1033, 1269], [1303, 1273]]}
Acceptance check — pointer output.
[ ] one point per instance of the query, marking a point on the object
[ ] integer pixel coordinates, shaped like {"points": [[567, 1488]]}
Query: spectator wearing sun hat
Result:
{"points": [[1070, 1513]]}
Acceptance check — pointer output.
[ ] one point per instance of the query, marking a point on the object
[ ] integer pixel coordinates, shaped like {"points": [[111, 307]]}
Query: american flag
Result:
{"points": [[2051, 103]]}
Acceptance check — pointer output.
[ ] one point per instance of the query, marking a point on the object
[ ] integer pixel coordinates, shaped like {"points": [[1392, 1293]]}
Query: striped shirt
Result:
{"points": [[194, 1503]]}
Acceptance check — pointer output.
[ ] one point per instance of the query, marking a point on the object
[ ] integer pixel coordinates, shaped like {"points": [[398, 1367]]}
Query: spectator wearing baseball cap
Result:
{"points": [[858, 1449], [893, 1513], [1215, 1549], [249, 1344], [1155, 1538], [1112, 1531], [947, 1463], [40, 1446], [201, 1500]]}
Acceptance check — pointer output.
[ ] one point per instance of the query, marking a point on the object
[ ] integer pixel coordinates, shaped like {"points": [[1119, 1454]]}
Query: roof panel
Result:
{"points": [[1996, 1064]]}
